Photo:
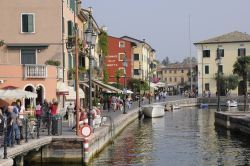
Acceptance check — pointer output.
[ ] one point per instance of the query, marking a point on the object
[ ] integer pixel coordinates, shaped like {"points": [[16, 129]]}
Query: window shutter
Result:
{"points": [[24, 23], [70, 28], [30, 23], [244, 52], [238, 52]]}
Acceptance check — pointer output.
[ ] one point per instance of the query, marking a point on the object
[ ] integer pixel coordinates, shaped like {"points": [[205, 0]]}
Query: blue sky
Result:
{"points": [[165, 23]]}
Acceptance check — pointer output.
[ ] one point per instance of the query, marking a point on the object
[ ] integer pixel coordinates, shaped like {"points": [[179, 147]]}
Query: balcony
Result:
{"points": [[35, 71]]}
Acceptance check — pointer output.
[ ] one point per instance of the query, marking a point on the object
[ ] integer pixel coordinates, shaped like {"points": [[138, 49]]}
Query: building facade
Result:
{"points": [[118, 49], [35, 39], [177, 77], [232, 45]]}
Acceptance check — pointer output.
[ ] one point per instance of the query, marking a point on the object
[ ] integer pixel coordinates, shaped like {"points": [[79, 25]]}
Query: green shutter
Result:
{"points": [[30, 23], [70, 28], [24, 23]]}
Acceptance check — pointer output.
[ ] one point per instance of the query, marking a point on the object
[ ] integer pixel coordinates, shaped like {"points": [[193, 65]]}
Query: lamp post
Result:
{"points": [[218, 61], [149, 80], [139, 86], [125, 65], [90, 38]]}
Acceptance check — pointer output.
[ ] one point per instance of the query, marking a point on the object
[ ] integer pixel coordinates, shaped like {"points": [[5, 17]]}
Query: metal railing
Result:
{"points": [[35, 71], [31, 129]]}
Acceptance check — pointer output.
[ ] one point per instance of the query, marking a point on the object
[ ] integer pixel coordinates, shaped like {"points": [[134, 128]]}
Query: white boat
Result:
{"points": [[153, 111], [175, 106], [232, 103]]}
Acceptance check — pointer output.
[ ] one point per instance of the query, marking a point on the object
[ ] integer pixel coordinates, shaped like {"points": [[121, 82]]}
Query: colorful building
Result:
{"points": [[118, 49], [232, 45]]}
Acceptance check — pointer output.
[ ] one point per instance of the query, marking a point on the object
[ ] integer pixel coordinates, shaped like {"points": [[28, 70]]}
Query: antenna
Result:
{"points": [[190, 52]]}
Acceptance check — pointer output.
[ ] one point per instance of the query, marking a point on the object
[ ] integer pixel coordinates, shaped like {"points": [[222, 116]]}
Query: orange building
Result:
{"points": [[118, 49]]}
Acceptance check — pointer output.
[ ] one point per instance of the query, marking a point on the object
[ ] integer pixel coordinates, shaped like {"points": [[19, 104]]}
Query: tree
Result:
{"points": [[188, 59], [228, 83], [103, 42], [105, 75], [117, 76], [241, 67], [165, 61]]}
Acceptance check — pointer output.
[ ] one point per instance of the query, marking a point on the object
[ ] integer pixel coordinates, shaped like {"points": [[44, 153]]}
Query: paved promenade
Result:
{"points": [[68, 133]]}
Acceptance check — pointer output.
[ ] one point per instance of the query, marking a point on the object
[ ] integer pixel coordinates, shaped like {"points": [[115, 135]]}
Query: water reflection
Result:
{"points": [[184, 137]]}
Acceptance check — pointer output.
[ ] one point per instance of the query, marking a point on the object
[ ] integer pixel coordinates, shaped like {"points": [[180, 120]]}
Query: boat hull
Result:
{"points": [[153, 111]]}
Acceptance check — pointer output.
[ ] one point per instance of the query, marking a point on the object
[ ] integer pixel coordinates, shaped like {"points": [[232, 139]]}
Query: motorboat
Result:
{"points": [[203, 105], [232, 103], [175, 106], [153, 111]]}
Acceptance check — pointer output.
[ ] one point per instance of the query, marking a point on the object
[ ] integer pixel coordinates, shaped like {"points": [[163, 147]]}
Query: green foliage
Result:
{"points": [[103, 42], [72, 71], [228, 83], [165, 61], [117, 76], [105, 75], [137, 84], [241, 67], [53, 63]]}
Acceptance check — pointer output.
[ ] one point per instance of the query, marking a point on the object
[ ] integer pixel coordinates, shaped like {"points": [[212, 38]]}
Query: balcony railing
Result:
{"points": [[35, 71]]}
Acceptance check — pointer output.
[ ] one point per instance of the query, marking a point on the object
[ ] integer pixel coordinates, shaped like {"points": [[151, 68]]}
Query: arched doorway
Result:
{"points": [[40, 94], [29, 102], [241, 88]]}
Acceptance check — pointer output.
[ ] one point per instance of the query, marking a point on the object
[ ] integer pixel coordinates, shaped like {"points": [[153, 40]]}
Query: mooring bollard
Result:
{"points": [[86, 132]]}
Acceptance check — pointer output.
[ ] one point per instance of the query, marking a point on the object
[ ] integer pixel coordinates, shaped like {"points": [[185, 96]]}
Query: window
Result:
{"points": [[182, 71], [175, 79], [70, 28], [136, 72], [221, 68], [166, 79], [136, 57], [174, 71], [182, 80], [170, 79], [122, 71], [121, 56], [165, 72], [170, 71], [241, 51], [121, 44], [206, 53], [28, 56], [206, 69], [221, 51], [28, 23], [70, 61], [207, 86]]}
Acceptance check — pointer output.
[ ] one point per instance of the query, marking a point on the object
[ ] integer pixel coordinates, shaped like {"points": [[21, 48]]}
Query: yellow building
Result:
{"points": [[144, 59], [176, 77], [232, 45]]}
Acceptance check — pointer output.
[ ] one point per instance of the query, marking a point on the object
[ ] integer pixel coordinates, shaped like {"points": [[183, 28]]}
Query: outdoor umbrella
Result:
{"points": [[15, 93], [128, 92]]}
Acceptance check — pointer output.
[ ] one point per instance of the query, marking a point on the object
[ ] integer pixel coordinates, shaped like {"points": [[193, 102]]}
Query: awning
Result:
{"points": [[153, 85], [62, 88], [72, 93], [160, 84], [12, 92], [27, 45], [109, 88]]}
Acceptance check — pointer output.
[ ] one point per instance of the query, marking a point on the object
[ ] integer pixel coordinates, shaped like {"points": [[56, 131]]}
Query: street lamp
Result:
{"points": [[90, 38], [149, 80], [139, 72], [125, 65], [218, 62]]}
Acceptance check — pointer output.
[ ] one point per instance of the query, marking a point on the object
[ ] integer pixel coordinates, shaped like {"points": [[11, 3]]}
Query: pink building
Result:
{"points": [[34, 33]]}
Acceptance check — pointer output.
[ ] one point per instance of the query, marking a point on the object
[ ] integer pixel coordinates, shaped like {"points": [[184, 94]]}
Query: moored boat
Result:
{"points": [[153, 111], [232, 103]]}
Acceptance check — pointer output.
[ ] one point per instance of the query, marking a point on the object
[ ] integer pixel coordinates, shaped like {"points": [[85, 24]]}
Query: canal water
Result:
{"points": [[183, 137]]}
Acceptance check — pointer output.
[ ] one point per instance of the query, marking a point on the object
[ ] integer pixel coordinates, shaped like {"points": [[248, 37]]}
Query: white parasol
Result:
{"points": [[16, 94]]}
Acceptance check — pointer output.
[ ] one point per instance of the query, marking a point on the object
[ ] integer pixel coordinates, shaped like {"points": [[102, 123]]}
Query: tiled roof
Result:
{"points": [[231, 37], [177, 66]]}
